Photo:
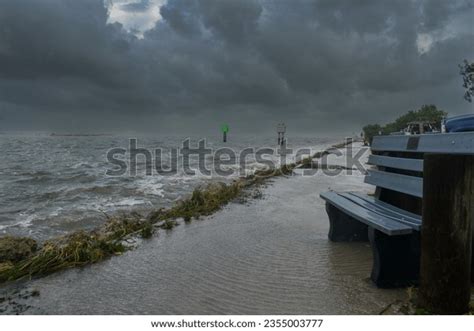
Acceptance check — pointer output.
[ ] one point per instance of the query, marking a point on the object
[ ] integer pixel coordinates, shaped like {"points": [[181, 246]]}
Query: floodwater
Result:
{"points": [[52, 185], [269, 256]]}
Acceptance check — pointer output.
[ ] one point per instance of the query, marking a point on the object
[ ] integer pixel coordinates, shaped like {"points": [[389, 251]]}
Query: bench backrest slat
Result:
{"points": [[449, 143], [401, 183], [399, 160], [396, 162]]}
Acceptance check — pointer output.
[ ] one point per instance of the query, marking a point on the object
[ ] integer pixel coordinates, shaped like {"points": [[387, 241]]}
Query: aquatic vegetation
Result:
{"points": [[169, 224], [203, 202], [77, 249], [5, 266], [21, 257], [16, 248], [307, 162], [147, 230]]}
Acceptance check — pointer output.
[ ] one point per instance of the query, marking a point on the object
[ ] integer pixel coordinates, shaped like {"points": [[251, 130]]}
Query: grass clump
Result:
{"points": [[86, 247], [147, 230], [284, 170], [306, 162], [169, 224], [13, 249], [203, 202], [77, 249]]}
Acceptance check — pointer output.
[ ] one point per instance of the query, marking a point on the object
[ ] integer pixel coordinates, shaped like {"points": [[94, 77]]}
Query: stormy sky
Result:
{"points": [[185, 66]]}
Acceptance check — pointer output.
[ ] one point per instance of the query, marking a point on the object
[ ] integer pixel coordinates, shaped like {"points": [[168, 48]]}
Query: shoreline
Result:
{"points": [[82, 248], [268, 255]]}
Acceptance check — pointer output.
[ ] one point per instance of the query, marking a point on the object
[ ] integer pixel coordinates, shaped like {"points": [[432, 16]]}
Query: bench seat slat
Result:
{"points": [[449, 143], [387, 210], [388, 206], [401, 183], [385, 224], [396, 162]]}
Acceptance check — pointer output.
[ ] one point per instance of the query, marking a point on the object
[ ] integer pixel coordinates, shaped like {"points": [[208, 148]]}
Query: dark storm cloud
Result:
{"points": [[319, 65]]}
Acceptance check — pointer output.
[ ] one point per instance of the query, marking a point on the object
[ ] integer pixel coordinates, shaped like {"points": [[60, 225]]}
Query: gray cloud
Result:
{"points": [[136, 7], [319, 65]]}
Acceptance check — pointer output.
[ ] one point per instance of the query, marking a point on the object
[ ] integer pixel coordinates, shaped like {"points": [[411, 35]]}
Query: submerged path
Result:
{"points": [[270, 256]]}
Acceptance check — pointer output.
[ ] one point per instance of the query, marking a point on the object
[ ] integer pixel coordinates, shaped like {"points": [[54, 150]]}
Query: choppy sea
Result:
{"points": [[53, 184]]}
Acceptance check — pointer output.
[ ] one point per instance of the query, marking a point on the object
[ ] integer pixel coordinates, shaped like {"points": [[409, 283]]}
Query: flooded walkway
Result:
{"points": [[270, 256]]}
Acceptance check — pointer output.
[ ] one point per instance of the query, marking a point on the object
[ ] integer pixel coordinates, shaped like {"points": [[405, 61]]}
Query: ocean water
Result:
{"points": [[51, 185]]}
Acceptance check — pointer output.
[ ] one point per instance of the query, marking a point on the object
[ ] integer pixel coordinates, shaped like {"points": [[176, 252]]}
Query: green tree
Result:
{"points": [[370, 131], [467, 73], [427, 113]]}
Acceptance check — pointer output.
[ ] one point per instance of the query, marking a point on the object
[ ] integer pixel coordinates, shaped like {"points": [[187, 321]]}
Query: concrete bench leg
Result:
{"points": [[342, 227], [396, 259]]}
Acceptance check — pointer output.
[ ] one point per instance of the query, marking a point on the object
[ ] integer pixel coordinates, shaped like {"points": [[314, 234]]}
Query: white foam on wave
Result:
{"points": [[127, 202], [151, 185], [24, 223]]}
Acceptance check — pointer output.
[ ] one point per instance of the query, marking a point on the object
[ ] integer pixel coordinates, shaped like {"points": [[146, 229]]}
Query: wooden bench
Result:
{"points": [[391, 219]]}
